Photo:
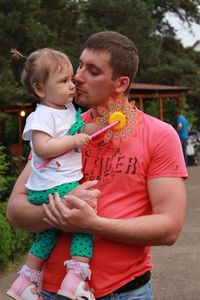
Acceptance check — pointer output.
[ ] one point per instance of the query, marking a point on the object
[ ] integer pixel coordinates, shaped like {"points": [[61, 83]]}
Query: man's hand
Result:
{"points": [[87, 192], [69, 215], [65, 215]]}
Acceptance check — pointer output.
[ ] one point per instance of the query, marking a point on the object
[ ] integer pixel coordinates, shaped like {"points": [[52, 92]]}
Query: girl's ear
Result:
{"points": [[122, 84], [39, 89]]}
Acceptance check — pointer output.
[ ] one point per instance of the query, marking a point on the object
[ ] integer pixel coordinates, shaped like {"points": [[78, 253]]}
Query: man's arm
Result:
{"points": [[22, 214], [179, 126], [168, 199]]}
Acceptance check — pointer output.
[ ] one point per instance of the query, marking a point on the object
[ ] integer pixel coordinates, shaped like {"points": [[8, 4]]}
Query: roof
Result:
{"points": [[153, 88]]}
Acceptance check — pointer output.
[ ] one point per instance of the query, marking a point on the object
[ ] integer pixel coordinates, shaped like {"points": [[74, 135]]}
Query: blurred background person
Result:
{"points": [[183, 127]]}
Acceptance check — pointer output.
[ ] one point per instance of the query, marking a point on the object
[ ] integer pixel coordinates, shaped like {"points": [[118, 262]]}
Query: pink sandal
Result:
{"points": [[26, 286], [74, 285]]}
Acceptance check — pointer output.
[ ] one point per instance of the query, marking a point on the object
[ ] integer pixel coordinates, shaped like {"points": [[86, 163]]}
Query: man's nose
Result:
{"points": [[79, 76]]}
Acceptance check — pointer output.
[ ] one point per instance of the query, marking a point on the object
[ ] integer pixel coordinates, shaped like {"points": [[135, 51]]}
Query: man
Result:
{"points": [[141, 179], [183, 127]]}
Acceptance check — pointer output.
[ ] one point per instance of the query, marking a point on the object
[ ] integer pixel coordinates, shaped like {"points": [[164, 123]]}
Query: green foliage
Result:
{"points": [[9, 89], [14, 242], [6, 242], [8, 129], [10, 167], [151, 108], [189, 113], [4, 165], [3, 161]]}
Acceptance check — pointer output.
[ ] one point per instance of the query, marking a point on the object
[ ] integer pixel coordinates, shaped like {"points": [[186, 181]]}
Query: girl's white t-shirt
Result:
{"points": [[63, 169]]}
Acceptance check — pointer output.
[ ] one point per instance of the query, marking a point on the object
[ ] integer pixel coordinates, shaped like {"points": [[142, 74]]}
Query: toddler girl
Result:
{"points": [[53, 131]]}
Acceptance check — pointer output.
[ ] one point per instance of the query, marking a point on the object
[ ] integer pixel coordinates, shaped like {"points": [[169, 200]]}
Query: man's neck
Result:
{"points": [[94, 112]]}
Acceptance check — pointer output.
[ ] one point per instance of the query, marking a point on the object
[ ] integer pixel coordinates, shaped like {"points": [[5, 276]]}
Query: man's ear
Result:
{"points": [[122, 84], [39, 89]]}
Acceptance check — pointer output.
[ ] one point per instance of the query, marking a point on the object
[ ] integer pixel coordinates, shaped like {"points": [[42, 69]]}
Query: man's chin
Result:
{"points": [[77, 99], [81, 101]]}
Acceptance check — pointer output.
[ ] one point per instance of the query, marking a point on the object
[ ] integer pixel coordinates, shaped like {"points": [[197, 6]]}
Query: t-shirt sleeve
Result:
{"points": [[167, 158], [38, 121]]}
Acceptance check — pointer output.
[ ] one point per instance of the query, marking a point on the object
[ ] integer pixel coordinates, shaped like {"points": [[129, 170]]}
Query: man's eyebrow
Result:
{"points": [[88, 64], [93, 66]]}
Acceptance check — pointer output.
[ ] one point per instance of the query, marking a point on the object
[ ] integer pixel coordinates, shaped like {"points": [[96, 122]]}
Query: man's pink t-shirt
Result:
{"points": [[153, 151]]}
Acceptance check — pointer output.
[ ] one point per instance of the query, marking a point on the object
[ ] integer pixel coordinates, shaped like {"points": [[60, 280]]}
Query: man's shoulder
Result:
{"points": [[154, 130], [154, 122]]}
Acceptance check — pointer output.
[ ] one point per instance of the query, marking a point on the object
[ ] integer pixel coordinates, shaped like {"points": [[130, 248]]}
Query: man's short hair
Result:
{"points": [[123, 53]]}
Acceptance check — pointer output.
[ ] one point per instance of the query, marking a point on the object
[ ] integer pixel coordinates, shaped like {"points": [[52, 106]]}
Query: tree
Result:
{"points": [[65, 24], [20, 28], [187, 11]]}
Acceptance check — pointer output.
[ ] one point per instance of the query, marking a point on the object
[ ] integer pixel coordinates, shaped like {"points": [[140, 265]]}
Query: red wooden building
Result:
{"points": [[160, 93]]}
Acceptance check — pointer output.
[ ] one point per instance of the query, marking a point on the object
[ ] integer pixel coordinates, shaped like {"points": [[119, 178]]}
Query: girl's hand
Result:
{"points": [[81, 140]]}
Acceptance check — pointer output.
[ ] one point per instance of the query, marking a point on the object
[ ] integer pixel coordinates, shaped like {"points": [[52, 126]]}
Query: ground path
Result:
{"points": [[177, 269]]}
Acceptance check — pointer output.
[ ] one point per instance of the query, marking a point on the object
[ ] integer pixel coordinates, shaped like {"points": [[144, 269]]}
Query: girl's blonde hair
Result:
{"points": [[39, 64]]}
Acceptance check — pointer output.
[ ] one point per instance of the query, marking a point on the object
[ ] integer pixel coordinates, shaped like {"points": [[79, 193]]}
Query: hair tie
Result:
{"points": [[17, 55]]}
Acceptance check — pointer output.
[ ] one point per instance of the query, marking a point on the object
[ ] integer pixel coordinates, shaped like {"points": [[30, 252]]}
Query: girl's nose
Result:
{"points": [[72, 85]]}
